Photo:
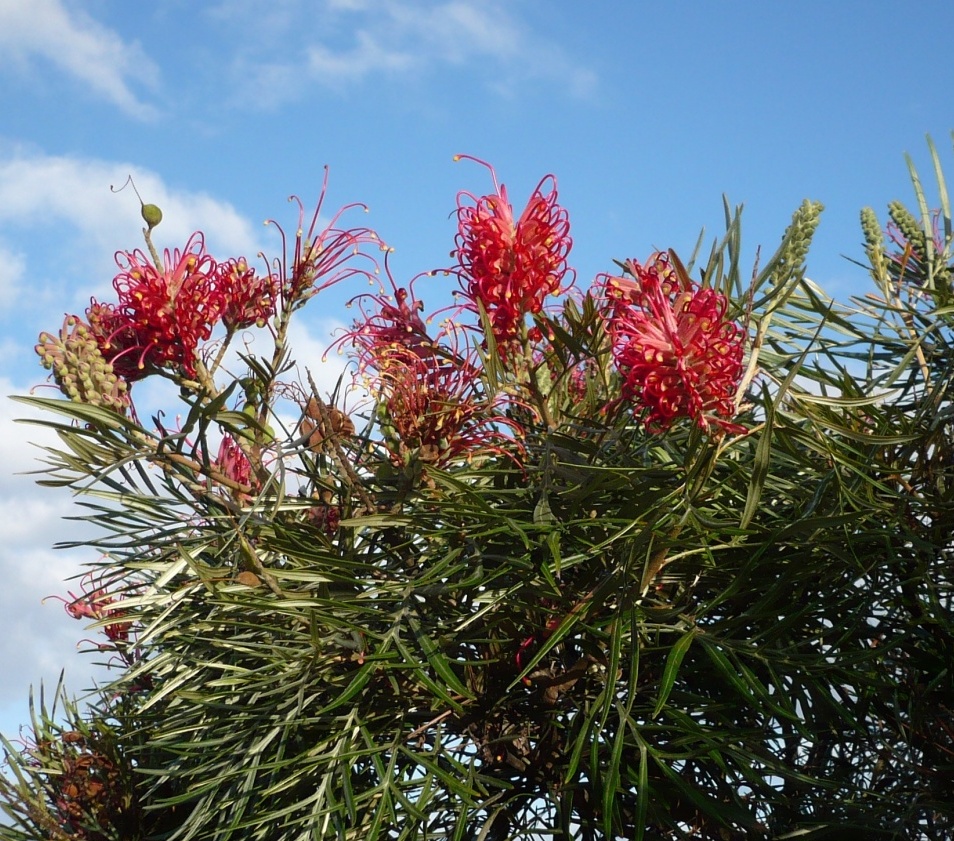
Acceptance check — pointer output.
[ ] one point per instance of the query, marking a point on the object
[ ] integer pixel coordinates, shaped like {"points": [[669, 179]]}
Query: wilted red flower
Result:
{"points": [[431, 406], [390, 326], [322, 424], [678, 355], [97, 604], [325, 518], [507, 266], [319, 257], [432, 411], [249, 298], [163, 314]]}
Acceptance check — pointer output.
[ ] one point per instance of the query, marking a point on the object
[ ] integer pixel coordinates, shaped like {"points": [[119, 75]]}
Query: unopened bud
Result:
{"points": [[152, 215]]}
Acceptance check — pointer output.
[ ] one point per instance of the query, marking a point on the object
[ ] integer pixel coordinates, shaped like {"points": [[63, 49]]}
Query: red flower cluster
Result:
{"points": [[162, 314], [510, 267], [678, 355], [165, 312]]}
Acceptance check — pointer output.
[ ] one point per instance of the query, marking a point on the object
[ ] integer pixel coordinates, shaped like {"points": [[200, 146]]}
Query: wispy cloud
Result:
{"points": [[368, 55], [353, 41], [72, 199], [70, 39], [12, 270]]}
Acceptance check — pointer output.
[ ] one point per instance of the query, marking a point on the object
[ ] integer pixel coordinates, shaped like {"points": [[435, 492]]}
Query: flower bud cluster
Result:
{"points": [[907, 231], [797, 239], [922, 256], [249, 297], [79, 367], [874, 241]]}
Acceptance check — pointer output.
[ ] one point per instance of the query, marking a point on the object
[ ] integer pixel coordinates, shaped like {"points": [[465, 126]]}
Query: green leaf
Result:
{"points": [[671, 671]]}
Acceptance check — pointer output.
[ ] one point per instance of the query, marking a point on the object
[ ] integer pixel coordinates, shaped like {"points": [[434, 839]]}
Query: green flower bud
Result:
{"points": [[151, 214], [796, 241], [874, 244]]}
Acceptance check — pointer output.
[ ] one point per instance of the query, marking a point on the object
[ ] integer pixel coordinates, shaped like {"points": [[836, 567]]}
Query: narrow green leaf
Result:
{"points": [[642, 790], [670, 672], [438, 661]]}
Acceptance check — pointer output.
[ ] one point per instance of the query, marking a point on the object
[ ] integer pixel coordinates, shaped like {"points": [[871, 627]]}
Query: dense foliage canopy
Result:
{"points": [[661, 556]]}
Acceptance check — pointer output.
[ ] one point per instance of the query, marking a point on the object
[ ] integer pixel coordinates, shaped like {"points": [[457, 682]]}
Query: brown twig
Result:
{"points": [[330, 441]]}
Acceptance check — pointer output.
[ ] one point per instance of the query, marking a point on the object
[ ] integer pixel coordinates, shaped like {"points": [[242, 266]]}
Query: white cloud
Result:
{"points": [[39, 638], [357, 40], [12, 268], [80, 46], [459, 30], [69, 202], [310, 345], [368, 56]]}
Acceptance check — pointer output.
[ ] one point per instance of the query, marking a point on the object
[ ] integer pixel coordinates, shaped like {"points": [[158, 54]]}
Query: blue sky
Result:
{"points": [[647, 113]]}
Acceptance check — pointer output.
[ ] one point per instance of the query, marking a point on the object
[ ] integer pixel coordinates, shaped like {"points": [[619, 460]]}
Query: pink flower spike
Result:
{"points": [[510, 267]]}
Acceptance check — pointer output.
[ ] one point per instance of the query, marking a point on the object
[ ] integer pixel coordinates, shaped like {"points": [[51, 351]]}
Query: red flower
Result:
{"points": [[249, 298], [320, 257], [162, 315], [233, 463], [511, 267], [678, 355], [130, 350]]}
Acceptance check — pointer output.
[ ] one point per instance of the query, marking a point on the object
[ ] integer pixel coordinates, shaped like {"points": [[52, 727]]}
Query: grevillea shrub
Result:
{"points": [[660, 554]]}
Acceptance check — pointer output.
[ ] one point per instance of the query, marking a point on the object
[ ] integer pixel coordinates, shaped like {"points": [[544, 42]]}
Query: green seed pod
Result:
{"points": [[152, 215]]}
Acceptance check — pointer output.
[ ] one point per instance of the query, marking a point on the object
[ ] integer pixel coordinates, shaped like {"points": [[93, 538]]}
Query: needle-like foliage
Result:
{"points": [[667, 557]]}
